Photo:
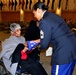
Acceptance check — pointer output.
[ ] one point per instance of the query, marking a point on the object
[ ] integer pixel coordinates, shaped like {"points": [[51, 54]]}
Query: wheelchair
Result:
{"points": [[3, 70]]}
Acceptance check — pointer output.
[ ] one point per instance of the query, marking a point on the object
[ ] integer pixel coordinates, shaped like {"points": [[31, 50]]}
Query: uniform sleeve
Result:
{"points": [[45, 34]]}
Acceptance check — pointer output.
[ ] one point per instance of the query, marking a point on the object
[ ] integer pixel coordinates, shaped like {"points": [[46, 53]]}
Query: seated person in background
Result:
{"points": [[14, 53], [70, 23], [33, 33]]}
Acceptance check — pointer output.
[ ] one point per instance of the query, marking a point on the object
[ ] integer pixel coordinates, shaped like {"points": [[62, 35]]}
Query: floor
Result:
{"points": [[46, 62], [43, 58]]}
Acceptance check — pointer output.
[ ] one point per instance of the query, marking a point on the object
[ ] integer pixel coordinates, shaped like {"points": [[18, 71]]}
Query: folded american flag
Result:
{"points": [[32, 45]]}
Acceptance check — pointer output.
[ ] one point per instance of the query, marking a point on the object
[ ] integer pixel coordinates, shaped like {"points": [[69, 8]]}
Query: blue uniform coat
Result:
{"points": [[54, 30]]}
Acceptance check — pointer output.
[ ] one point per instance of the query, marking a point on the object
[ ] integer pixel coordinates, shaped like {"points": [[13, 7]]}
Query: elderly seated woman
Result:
{"points": [[14, 53]]}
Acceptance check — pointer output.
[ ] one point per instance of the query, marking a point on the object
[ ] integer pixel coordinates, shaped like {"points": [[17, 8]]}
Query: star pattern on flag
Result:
{"points": [[32, 45]]}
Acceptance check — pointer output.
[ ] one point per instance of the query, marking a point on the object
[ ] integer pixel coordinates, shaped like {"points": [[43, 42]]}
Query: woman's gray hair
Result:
{"points": [[14, 26]]}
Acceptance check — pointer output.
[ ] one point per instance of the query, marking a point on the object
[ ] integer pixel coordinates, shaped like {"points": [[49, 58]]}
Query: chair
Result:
{"points": [[3, 70]]}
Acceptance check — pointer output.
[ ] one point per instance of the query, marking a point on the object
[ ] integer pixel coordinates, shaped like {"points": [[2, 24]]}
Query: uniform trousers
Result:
{"points": [[65, 69]]}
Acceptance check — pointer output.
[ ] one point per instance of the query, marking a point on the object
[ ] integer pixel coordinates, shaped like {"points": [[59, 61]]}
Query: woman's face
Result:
{"points": [[17, 32], [37, 14]]}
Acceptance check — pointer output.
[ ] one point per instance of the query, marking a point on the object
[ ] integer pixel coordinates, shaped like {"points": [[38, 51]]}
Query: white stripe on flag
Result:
{"points": [[57, 68]]}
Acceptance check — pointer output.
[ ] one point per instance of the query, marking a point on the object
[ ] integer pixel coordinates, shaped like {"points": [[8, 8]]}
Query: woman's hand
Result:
{"points": [[25, 44], [25, 49]]}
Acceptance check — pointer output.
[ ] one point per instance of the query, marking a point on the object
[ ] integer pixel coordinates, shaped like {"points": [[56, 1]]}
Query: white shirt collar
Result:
{"points": [[43, 13]]}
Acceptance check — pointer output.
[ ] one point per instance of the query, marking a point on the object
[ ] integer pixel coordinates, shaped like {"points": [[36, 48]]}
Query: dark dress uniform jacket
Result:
{"points": [[56, 31]]}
